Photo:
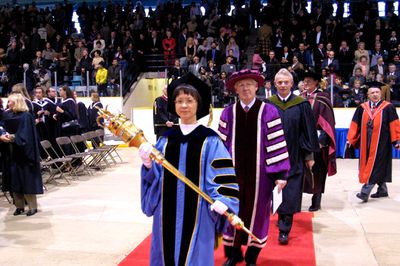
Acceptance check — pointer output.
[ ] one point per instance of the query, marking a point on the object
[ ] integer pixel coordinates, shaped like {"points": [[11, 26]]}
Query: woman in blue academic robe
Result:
{"points": [[184, 224]]}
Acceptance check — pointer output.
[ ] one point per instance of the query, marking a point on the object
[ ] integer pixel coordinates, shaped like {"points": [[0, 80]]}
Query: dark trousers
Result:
{"points": [[236, 254], [102, 89], [367, 188], [285, 222]]}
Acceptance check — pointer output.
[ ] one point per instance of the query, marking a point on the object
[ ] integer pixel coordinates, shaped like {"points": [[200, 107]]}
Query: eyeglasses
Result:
{"points": [[187, 102]]}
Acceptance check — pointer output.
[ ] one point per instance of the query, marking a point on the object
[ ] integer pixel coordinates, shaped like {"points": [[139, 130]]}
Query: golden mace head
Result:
{"points": [[121, 126]]}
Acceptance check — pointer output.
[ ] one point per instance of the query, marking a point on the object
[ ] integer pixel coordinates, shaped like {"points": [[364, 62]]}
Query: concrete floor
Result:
{"points": [[96, 220]]}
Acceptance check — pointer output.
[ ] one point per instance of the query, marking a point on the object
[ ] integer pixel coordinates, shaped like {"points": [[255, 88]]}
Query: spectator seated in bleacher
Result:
{"points": [[228, 67], [176, 71], [135, 40], [194, 68], [358, 96]]}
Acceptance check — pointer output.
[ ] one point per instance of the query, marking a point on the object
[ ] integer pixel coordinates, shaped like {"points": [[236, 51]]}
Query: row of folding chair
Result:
{"points": [[74, 156], [97, 139]]}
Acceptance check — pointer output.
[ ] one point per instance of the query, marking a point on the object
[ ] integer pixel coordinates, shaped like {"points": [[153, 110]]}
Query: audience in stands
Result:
{"points": [[298, 40]]}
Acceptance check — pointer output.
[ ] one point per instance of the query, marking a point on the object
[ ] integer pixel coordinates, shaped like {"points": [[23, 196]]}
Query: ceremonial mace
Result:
{"points": [[121, 126]]}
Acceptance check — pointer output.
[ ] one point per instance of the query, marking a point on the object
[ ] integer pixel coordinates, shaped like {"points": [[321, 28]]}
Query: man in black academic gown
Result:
{"points": [[302, 141], [163, 120], [41, 109], [54, 126]]}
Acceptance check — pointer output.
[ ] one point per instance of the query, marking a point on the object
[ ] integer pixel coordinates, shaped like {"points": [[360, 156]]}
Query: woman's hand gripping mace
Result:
{"points": [[120, 125]]}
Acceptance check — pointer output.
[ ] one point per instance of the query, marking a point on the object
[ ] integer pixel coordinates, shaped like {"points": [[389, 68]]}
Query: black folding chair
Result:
{"points": [[55, 164], [92, 157], [104, 151], [99, 135], [78, 162]]}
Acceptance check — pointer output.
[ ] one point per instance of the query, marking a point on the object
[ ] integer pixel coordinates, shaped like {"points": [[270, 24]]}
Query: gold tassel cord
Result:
{"points": [[211, 117], [121, 126]]}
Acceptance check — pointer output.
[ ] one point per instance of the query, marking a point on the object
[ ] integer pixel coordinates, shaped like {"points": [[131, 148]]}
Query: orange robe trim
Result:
{"points": [[394, 130], [353, 136]]}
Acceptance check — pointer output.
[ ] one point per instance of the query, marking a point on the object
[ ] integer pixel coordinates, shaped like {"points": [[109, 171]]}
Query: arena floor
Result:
{"points": [[96, 220]]}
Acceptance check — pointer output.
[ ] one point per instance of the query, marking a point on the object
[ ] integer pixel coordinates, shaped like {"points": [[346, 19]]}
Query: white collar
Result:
{"points": [[93, 104], [41, 103], [68, 99], [248, 105], [286, 98], [310, 93], [188, 128]]}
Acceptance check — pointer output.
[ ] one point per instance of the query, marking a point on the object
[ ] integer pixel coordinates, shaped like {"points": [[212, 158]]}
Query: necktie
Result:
{"points": [[268, 94], [373, 106], [246, 108]]}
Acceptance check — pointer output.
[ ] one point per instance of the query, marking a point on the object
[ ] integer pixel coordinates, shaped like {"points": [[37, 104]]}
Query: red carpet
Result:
{"points": [[300, 250]]}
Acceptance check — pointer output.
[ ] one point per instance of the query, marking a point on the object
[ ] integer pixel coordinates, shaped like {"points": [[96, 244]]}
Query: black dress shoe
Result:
{"points": [[314, 208], [379, 195], [230, 262], [283, 238], [362, 196], [31, 212], [18, 211]]}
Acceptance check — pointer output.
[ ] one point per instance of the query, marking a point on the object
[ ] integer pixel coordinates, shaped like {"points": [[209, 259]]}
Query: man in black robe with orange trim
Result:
{"points": [[325, 160], [375, 127]]}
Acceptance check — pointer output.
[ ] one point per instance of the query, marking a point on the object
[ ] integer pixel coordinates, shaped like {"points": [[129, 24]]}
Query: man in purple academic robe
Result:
{"points": [[252, 132]]}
